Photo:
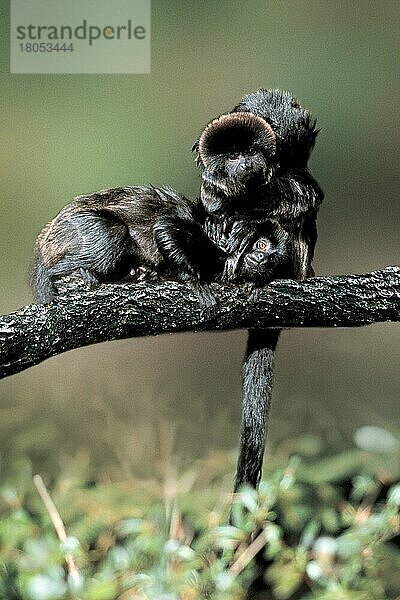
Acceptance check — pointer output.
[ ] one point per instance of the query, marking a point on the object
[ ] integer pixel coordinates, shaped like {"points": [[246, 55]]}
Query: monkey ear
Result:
{"points": [[316, 129], [196, 148]]}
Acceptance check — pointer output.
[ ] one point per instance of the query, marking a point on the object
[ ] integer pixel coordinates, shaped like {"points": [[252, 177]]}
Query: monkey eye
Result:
{"points": [[252, 152], [295, 104], [262, 244], [233, 155]]}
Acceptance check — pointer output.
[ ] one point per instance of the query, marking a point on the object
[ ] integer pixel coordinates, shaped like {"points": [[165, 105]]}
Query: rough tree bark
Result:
{"points": [[81, 317]]}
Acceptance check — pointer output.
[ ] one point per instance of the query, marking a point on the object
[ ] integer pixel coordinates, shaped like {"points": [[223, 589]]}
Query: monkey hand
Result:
{"points": [[229, 274], [144, 274], [208, 301], [251, 290]]}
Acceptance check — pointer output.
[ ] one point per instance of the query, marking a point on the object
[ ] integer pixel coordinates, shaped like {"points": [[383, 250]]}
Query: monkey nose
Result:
{"points": [[238, 168], [239, 164], [254, 259]]}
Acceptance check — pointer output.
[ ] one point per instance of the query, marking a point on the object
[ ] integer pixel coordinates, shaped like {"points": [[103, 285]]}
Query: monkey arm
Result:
{"points": [[241, 236], [293, 195], [190, 256]]}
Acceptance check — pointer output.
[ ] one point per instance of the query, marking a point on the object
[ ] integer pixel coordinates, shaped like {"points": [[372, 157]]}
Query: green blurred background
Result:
{"points": [[63, 135]]}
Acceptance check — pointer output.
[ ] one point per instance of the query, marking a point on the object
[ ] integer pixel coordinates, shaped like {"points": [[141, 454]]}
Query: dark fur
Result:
{"points": [[261, 255], [105, 235], [236, 153], [254, 176], [144, 231], [281, 190], [294, 127]]}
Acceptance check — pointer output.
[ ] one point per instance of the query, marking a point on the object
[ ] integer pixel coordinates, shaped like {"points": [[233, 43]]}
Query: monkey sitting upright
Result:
{"points": [[245, 177], [253, 163], [104, 235], [293, 197]]}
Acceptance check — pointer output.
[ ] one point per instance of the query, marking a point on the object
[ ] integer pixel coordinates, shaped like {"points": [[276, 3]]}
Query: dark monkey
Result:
{"points": [[154, 232], [262, 255], [105, 235], [236, 154], [254, 168], [294, 195]]}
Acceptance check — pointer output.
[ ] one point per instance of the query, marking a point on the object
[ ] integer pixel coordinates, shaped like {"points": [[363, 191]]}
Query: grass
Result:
{"points": [[319, 527]]}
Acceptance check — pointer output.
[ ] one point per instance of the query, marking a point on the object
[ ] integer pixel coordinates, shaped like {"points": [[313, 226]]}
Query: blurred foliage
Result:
{"points": [[317, 528]]}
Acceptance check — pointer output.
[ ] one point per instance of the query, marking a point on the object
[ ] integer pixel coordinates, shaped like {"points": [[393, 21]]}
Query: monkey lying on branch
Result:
{"points": [[108, 234], [149, 233]]}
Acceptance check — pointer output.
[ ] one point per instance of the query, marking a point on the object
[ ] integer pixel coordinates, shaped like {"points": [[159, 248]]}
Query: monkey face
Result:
{"points": [[237, 148], [242, 163], [266, 256], [259, 254], [294, 128], [258, 264]]}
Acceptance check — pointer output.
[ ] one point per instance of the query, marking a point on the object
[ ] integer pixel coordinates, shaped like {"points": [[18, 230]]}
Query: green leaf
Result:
{"points": [[101, 590]]}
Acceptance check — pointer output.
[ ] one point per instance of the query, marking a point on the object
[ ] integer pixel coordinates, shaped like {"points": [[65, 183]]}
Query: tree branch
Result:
{"points": [[80, 317]]}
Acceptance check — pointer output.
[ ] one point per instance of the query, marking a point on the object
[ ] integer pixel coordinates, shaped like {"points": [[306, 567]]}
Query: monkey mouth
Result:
{"points": [[227, 131]]}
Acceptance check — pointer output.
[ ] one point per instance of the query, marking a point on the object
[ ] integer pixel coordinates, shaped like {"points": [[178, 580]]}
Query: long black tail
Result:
{"points": [[40, 280], [257, 374]]}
